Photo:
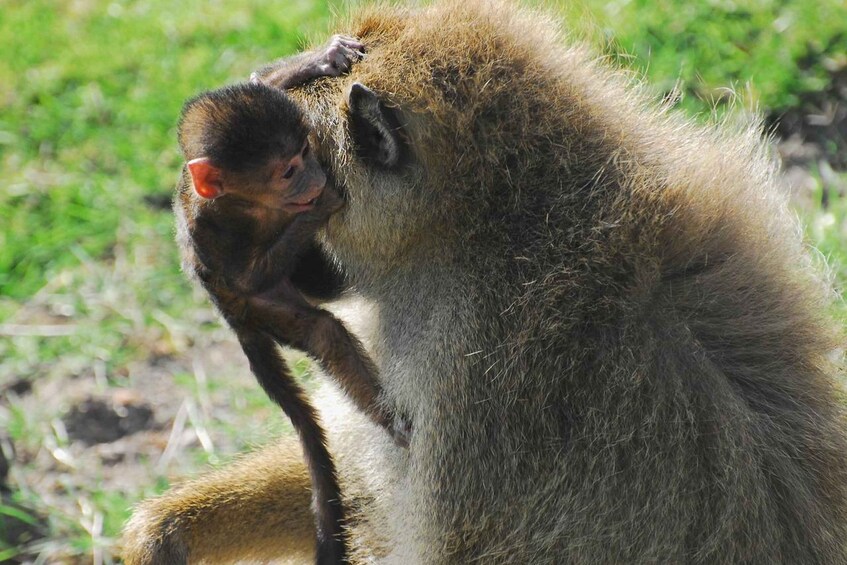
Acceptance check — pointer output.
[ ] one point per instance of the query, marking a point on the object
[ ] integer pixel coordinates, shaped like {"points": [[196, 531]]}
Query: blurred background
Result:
{"points": [[116, 377]]}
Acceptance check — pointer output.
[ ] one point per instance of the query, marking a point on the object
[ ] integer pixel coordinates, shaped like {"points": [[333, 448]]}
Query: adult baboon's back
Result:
{"points": [[599, 317]]}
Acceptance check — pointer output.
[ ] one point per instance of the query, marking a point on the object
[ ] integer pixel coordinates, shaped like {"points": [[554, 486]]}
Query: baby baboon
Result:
{"points": [[599, 315], [253, 195]]}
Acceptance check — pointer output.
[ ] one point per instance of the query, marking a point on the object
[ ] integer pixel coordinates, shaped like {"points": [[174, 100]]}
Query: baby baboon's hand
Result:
{"points": [[398, 427], [401, 431], [338, 55], [331, 201]]}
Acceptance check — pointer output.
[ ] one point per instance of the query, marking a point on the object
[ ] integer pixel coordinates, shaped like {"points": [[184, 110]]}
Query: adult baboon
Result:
{"points": [[599, 316]]}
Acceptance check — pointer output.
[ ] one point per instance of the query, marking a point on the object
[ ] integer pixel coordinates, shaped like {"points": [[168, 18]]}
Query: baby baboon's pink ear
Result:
{"points": [[206, 178]]}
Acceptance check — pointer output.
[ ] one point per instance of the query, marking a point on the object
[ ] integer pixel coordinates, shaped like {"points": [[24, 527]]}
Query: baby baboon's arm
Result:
{"points": [[332, 60], [283, 314]]}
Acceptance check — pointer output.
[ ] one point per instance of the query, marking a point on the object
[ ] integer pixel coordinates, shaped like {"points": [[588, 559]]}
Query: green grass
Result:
{"points": [[827, 231], [775, 49], [90, 91]]}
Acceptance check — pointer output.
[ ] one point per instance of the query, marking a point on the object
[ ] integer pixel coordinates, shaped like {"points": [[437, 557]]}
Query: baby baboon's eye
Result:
{"points": [[289, 172]]}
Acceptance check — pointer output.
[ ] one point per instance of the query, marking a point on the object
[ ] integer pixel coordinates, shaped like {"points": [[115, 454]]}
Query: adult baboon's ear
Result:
{"points": [[375, 129]]}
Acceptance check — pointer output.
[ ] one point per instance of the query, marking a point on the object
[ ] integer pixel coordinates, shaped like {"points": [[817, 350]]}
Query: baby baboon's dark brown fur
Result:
{"points": [[251, 198], [599, 316], [241, 224]]}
